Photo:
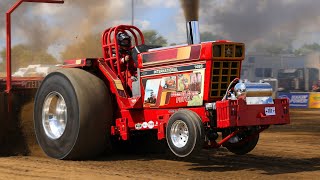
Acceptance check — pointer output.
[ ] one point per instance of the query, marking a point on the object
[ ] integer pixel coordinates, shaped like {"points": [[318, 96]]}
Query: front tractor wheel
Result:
{"points": [[184, 133], [72, 115]]}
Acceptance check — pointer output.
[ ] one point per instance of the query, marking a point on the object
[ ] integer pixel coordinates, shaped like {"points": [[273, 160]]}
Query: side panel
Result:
{"points": [[116, 86], [236, 113], [157, 116], [173, 55]]}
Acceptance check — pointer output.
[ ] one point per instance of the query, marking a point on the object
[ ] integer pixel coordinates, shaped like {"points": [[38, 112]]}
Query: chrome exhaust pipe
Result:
{"points": [[193, 32]]}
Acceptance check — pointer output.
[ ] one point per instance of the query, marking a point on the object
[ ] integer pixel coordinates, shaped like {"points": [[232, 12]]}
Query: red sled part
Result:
{"points": [[235, 113]]}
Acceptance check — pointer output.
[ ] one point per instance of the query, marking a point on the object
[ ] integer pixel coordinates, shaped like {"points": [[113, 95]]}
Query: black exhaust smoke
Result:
{"points": [[191, 13]]}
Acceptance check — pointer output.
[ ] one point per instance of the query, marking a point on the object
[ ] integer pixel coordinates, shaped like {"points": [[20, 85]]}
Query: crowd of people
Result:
{"points": [[316, 86]]}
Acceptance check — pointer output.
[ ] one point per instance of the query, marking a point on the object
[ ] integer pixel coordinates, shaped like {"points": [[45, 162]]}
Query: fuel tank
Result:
{"points": [[249, 89]]}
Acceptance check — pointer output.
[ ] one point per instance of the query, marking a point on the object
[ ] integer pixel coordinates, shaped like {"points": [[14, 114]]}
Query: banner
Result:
{"points": [[297, 100], [314, 100]]}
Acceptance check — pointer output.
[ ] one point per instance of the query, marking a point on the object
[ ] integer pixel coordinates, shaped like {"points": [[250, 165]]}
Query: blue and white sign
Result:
{"points": [[297, 100]]}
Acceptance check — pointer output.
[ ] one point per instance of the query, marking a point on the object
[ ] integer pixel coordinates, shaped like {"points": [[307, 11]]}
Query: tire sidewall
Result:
{"points": [[61, 147], [192, 139], [242, 148]]}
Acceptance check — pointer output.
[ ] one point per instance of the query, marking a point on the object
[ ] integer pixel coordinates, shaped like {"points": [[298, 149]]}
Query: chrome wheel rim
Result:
{"points": [[54, 115], [179, 133]]}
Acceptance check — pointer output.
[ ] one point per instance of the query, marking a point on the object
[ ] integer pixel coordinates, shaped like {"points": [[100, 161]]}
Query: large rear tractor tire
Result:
{"points": [[73, 115], [185, 133], [244, 145]]}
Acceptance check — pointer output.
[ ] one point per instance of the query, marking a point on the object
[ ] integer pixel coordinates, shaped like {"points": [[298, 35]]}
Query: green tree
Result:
{"points": [[208, 36], [3, 63], [307, 48], [24, 55], [152, 37], [273, 49], [2, 66]]}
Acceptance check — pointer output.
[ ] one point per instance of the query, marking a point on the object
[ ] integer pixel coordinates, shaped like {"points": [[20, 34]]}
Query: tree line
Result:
{"points": [[90, 46]]}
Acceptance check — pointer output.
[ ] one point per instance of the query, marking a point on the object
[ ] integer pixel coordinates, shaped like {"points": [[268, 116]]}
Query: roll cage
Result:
{"points": [[110, 46]]}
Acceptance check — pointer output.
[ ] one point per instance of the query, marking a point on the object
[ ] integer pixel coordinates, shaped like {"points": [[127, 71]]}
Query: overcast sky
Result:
{"points": [[67, 23], [53, 26]]}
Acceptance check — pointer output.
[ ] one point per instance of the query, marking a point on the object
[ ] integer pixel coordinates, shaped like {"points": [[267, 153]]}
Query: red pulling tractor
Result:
{"points": [[189, 94]]}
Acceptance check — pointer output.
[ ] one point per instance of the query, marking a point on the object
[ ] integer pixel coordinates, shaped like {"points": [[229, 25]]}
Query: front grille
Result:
{"points": [[223, 72], [228, 51]]}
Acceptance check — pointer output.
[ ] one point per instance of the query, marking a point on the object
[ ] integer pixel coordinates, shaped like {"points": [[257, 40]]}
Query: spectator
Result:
{"points": [[316, 86]]}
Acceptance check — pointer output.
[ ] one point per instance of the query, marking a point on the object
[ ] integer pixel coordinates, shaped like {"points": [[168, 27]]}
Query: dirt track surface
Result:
{"points": [[283, 152]]}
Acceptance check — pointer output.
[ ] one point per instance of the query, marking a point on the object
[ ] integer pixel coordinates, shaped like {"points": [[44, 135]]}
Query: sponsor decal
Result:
{"points": [[173, 70], [299, 99], [185, 89], [169, 83], [167, 70], [182, 97], [144, 125], [138, 126], [296, 100], [314, 101], [151, 91], [199, 66], [144, 73], [190, 88], [150, 124], [171, 111], [31, 84]]}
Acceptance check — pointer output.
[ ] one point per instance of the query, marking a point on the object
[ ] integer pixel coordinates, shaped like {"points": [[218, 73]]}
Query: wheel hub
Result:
{"points": [[179, 133], [54, 115]]}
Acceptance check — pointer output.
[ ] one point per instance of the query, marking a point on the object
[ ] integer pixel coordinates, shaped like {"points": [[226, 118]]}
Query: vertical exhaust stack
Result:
{"points": [[191, 12], [193, 32]]}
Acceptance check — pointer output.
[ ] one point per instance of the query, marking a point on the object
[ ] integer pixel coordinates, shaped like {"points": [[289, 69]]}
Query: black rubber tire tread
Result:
{"points": [[89, 115], [242, 148], [196, 133]]}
